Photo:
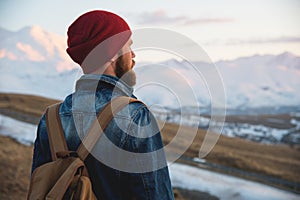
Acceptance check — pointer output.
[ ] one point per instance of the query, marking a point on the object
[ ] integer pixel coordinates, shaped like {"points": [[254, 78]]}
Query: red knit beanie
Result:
{"points": [[104, 30]]}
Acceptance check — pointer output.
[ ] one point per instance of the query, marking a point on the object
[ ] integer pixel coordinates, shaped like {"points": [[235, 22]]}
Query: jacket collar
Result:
{"points": [[89, 82]]}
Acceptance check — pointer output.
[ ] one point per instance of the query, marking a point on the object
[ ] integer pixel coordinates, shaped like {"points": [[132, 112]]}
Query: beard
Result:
{"points": [[122, 72]]}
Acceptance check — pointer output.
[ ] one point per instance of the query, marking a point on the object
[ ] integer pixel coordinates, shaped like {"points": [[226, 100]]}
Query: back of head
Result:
{"points": [[100, 31]]}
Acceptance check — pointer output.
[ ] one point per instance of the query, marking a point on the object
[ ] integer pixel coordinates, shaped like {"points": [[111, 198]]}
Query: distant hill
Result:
{"points": [[28, 108]]}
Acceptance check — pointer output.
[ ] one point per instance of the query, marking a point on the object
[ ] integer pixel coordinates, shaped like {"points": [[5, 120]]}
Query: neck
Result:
{"points": [[108, 69]]}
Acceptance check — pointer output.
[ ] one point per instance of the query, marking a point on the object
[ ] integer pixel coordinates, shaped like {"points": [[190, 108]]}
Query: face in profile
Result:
{"points": [[125, 64]]}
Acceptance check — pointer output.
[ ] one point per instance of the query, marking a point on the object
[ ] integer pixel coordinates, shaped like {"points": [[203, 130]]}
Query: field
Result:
{"points": [[277, 165], [239, 157]]}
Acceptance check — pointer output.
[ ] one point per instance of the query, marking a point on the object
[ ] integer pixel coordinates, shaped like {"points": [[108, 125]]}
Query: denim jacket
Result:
{"points": [[128, 160]]}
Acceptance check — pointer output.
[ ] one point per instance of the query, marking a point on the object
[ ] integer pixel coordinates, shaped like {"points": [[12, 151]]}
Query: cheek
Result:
{"points": [[128, 59]]}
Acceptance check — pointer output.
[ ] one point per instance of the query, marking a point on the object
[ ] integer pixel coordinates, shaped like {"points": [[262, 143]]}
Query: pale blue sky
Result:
{"points": [[225, 29]]}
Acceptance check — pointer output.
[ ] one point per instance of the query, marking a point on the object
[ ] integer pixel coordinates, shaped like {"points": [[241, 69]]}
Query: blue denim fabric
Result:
{"points": [[132, 129]]}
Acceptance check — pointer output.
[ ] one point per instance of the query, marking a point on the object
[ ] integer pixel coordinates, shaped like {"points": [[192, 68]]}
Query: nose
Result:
{"points": [[132, 54]]}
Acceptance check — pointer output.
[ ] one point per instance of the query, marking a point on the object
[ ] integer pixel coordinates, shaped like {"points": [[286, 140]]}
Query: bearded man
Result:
{"points": [[127, 161]]}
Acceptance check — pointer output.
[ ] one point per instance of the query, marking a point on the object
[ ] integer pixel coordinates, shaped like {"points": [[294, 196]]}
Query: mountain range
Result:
{"points": [[34, 61]]}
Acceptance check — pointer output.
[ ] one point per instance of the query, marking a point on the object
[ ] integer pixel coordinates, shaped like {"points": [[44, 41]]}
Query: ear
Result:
{"points": [[112, 63], [113, 59]]}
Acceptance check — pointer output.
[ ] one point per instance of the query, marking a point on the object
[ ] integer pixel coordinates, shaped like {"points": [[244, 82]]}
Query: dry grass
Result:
{"points": [[274, 160], [15, 169], [16, 158], [29, 104], [278, 161]]}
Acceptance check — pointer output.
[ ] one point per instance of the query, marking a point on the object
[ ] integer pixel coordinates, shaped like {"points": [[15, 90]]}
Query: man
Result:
{"points": [[127, 161]]}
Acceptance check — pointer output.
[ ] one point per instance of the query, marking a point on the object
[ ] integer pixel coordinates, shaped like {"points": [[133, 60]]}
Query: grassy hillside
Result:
{"points": [[28, 108], [235, 154], [229, 154]]}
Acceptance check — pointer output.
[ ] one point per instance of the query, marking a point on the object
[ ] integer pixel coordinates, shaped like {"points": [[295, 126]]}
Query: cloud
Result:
{"points": [[264, 40], [208, 20], [160, 17]]}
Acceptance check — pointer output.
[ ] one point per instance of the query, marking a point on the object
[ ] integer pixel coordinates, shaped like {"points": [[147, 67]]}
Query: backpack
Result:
{"points": [[66, 176]]}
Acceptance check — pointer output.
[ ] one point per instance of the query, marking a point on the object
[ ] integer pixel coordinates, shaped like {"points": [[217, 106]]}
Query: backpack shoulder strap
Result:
{"points": [[55, 131], [98, 126]]}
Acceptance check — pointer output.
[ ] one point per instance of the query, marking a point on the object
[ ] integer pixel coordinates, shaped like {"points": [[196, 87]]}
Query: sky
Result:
{"points": [[224, 29]]}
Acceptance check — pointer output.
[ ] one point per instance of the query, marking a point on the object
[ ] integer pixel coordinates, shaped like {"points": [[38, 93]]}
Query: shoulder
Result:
{"points": [[136, 114], [138, 111]]}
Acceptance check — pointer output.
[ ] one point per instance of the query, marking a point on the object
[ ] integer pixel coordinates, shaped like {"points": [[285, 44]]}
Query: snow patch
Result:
{"points": [[24, 133], [224, 186]]}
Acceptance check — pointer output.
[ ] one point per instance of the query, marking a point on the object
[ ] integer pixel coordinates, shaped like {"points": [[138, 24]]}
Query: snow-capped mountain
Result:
{"points": [[33, 44], [34, 61], [256, 81], [262, 80]]}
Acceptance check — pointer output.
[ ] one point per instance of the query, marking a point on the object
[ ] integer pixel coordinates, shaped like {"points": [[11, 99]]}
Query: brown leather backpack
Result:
{"points": [[66, 176]]}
